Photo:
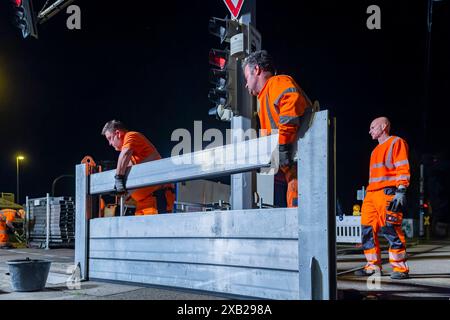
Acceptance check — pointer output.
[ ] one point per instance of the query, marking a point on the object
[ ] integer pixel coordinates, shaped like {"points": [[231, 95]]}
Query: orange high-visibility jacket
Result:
{"points": [[281, 104], [6, 215], [141, 146], [389, 166]]}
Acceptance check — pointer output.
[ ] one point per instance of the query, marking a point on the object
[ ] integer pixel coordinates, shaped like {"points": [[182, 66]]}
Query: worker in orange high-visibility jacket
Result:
{"points": [[135, 148], [6, 219], [281, 104], [385, 201]]}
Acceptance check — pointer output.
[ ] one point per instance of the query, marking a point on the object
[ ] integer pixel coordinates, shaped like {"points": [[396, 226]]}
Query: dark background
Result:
{"points": [[147, 64]]}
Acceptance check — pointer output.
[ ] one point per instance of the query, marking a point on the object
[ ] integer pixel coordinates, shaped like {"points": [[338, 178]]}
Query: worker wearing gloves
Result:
{"points": [[135, 148], [281, 105], [385, 201], [6, 225]]}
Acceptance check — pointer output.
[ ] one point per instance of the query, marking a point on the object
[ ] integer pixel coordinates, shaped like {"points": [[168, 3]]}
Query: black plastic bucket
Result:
{"points": [[28, 275]]}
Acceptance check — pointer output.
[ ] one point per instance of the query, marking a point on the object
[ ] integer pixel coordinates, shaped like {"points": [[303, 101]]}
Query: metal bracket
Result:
{"points": [[52, 10]]}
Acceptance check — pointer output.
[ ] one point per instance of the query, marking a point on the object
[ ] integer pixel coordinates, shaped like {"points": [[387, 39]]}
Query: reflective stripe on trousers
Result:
{"points": [[397, 256], [397, 259], [373, 219], [372, 257]]}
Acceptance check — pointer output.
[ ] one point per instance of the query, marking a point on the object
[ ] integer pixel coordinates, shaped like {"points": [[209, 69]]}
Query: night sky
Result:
{"points": [[147, 65]]}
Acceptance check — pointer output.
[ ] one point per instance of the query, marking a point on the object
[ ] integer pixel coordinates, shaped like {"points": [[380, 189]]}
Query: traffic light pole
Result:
{"points": [[243, 185]]}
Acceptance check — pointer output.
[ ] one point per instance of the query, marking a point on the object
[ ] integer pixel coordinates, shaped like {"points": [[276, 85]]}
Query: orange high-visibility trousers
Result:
{"points": [[145, 201], [375, 217], [146, 206], [290, 174], [3, 238], [170, 199]]}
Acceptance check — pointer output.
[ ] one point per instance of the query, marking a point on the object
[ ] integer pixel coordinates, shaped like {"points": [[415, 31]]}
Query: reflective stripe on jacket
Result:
{"points": [[7, 215], [389, 165], [282, 103]]}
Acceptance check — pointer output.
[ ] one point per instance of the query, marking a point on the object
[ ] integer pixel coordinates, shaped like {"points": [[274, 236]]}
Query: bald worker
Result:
{"points": [[385, 201]]}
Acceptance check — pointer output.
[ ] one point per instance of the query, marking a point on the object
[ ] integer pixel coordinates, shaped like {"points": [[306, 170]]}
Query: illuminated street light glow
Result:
{"points": [[19, 157]]}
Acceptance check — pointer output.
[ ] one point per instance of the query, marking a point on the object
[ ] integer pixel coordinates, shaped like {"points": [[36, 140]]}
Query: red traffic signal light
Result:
{"points": [[218, 58], [26, 20], [223, 74]]}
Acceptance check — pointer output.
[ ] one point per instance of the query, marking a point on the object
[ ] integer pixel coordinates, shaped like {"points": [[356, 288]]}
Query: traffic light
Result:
{"points": [[223, 73], [26, 20], [229, 94], [224, 28], [222, 95]]}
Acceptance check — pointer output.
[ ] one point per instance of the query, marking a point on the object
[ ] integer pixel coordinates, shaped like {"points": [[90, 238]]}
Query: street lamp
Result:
{"points": [[18, 158]]}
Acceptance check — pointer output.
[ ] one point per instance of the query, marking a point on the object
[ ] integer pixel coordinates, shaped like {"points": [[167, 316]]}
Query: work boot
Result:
{"points": [[365, 272], [399, 275]]}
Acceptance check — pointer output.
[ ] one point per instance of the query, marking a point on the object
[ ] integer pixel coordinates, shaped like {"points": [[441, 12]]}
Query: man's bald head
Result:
{"points": [[384, 122], [380, 128]]}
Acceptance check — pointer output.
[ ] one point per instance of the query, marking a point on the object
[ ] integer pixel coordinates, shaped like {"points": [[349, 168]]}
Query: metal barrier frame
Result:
{"points": [[315, 214]]}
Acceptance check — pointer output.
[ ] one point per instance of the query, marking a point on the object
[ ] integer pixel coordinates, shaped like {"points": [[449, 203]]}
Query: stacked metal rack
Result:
{"points": [[60, 213]]}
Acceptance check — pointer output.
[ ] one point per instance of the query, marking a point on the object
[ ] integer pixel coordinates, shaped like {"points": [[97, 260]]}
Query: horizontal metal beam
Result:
{"points": [[225, 160]]}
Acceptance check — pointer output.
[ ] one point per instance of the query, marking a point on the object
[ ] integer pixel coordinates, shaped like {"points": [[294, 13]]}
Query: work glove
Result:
{"points": [[285, 154], [399, 200], [119, 184]]}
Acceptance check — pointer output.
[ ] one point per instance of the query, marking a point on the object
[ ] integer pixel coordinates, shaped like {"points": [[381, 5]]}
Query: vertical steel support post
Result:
{"points": [[316, 216], [27, 220], [243, 184], [82, 216], [47, 231]]}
